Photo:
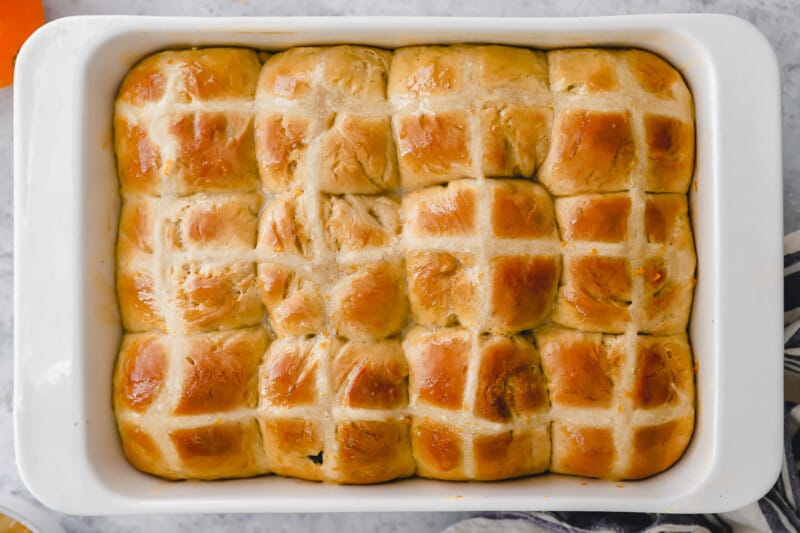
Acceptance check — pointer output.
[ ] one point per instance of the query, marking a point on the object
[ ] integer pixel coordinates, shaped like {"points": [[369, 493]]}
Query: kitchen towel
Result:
{"points": [[778, 510]]}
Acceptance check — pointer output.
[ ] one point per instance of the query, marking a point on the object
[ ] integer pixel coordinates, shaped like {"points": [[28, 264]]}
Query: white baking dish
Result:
{"points": [[67, 328]]}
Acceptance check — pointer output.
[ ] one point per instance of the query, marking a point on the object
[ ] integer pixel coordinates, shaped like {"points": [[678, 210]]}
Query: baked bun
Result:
{"points": [[353, 265]]}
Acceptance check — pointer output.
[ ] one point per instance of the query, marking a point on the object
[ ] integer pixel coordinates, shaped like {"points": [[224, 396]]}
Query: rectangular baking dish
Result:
{"points": [[67, 326]]}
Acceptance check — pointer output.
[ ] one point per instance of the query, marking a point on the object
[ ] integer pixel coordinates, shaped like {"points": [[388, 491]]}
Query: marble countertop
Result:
{"points": [[777, 19]]}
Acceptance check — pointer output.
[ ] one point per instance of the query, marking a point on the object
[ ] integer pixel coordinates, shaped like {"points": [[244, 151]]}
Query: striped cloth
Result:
{"points": [[778, 511]]}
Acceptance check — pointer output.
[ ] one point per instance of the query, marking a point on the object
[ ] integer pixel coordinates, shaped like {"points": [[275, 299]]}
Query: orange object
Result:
{"points": [[18, 19]]}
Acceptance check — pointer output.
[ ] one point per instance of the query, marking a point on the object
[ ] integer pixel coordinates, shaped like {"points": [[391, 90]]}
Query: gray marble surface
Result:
{"points": [[778, 20]]}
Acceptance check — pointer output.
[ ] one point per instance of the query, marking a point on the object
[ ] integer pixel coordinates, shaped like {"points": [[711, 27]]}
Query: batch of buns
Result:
{"points": [[354, 265]]}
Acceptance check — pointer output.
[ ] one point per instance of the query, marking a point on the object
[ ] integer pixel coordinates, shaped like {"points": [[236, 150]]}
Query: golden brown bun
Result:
{"points": [[359, 222], [594, 217], [369, 302], [521, 210], [596, 294], [448, 211], [598, 289], [488, 430], [442, 288], [168, 276], [523, 289], [219, 222], [322, 115], [442, 97], [351, 265], [624, 119], [629, 410], [456, 275], [336, 411], [182, 123], [185, 405], [293, 302]]}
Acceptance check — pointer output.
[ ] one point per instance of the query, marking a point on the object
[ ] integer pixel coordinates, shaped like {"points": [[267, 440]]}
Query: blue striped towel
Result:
{"points": [[778, 511]]}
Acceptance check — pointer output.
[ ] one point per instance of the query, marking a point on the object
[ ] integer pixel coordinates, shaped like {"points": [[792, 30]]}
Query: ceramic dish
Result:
{"points": [[67, 328]]}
